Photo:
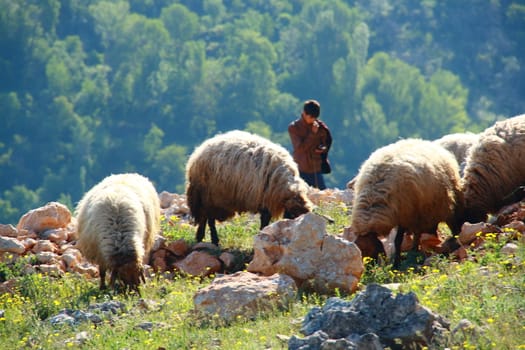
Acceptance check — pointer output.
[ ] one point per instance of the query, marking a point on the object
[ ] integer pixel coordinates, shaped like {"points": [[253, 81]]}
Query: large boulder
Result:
{"points": [[51, 216], [301, 249], [244, 294], [375, 317]]}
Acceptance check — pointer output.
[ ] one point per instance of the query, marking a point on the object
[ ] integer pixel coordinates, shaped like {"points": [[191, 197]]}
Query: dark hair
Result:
{"points": [[312, 107]]}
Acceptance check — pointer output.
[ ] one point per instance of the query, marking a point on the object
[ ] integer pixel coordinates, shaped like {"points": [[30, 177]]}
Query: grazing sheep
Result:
{"points": [[413, 185], [458, 144], [239, 172], [495, 170], [117, 223]]}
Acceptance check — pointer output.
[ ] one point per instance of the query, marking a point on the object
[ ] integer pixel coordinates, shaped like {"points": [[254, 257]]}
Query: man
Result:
{"points": [[311, 141]]}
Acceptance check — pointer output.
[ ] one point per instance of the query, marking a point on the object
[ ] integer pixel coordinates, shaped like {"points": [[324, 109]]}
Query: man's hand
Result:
{"points": [[315, 127]]}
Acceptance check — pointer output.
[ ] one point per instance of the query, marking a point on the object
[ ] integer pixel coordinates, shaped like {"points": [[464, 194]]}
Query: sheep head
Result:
{"points": [[296, 206], [129, 273]]}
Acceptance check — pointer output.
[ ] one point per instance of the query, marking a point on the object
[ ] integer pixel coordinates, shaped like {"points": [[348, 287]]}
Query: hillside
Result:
{"points": [[91, 88]]}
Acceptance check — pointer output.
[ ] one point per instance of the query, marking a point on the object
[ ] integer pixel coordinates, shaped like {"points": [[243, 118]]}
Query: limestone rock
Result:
{"points": [[11, 245], [228, 260], [345, 196], [397, 321], [179, 247], [8, 231], [46, 258], [57, 235], [199, 264], [44, 245], [244, 294], [301, 249], [71, 258], [469, 232], [52, 215]]}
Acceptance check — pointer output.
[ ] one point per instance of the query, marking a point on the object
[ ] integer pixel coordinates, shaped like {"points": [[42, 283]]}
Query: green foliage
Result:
{"points": [[96, 87], [17, 200]]}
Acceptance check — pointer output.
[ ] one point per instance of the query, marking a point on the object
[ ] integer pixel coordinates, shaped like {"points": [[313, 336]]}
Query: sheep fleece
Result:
{"points": [[238, 171], [412, 183], [458, 144], [120, 216], [495, 167]]}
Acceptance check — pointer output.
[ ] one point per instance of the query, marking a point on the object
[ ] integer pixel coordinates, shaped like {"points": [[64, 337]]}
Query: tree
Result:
{"points": [[17, 201]]}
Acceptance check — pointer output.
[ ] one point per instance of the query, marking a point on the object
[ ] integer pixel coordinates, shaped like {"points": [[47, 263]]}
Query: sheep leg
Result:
{"points": [[266, 216], [397, 243], [415, 243], [213, 232], [113, 279], [201, 230], [102, 273]]}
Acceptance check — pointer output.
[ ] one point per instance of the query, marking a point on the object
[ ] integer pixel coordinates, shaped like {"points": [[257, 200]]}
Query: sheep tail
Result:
{"points": [[195, 203]]}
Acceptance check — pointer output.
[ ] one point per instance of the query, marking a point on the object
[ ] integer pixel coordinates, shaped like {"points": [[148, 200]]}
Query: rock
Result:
{"points": [[173, 204], [331, 195], [509, 213], [469, 232], [46, 258], [52, 215], [228, 260], [199, 264], [349, 234], [86, 269], [373, 315], [71, 258], [158, 260], [516, 225], [301, 249], [165, 199], [510, 249], [158, 243], [51, 269], [44, 245], [56, 235], [320, 340], [8, 231], [11, 245], [96, 314], [29, 243], [206, 246], [179, 247], [244, 294], [340, 266], [8, 286]]}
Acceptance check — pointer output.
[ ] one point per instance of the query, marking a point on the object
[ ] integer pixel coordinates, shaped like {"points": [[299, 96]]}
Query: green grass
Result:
{"points": [[488, 290]]}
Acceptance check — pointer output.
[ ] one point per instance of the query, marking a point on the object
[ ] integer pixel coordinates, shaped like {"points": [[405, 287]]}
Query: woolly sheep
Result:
{"points": [[495, 169], [458, 144], [413, 185], [117, 222], [239, 172]]}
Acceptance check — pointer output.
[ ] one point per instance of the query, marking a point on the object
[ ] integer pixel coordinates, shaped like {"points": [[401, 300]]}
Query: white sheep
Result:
{"points": [[495, 169], [458, 144], [413, 185], [239, 172], [117, 222]]}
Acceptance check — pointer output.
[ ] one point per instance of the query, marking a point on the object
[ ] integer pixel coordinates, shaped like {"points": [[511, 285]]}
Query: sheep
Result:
{"points": [[495, 169], [237, 172], [117, 222], [458, 144], [413, 185]]}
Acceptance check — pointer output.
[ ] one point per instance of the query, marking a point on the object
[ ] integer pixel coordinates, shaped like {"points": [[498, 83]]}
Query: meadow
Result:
{"points": [[487, 289]]}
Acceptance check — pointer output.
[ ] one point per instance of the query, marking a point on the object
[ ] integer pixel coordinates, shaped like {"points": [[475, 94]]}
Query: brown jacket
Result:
{"points": [[305, 142]]}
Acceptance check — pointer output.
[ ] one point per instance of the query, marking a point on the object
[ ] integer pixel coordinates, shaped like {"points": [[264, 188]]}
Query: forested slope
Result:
{"points": [[93, 87]]}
